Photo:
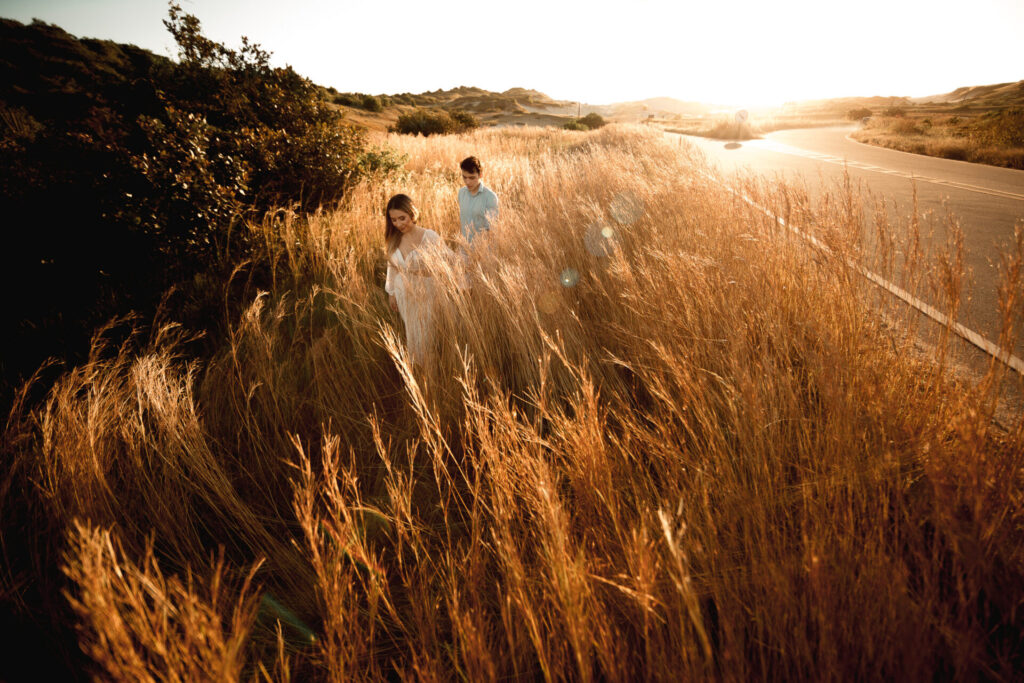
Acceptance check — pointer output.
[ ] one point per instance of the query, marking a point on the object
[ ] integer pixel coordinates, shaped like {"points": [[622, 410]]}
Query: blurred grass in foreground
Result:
{"points": [[718, 455]]}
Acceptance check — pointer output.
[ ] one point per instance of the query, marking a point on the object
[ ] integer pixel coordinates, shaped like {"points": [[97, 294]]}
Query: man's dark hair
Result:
{"points": [[471, 165]]}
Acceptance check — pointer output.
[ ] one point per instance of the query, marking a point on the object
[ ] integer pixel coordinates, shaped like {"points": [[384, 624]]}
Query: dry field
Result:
{"points": [[662, 440]]}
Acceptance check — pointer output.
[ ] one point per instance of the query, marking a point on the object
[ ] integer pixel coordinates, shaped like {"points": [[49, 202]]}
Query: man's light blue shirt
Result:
{"points": [[476, 211]]}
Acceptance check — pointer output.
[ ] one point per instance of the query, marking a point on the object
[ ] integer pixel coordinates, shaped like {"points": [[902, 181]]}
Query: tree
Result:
{"points": [[593, 121]]}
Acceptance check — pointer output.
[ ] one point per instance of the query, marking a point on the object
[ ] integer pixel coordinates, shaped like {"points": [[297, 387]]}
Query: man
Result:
{"points": [[478, 205]]}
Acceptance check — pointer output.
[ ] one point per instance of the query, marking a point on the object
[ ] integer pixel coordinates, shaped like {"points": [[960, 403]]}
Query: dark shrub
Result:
{"points": [[359, 100], [593, 121], [347, 99], [574, 125], [463, 121], [421, 122], [434, 122], [858, 114]]}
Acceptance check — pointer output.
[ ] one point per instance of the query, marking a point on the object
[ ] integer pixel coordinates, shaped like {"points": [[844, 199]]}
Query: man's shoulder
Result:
{"points": [[488, 192]]}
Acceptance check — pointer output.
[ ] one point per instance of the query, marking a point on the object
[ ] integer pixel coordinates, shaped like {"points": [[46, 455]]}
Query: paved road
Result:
{"points": [[987, 201]]}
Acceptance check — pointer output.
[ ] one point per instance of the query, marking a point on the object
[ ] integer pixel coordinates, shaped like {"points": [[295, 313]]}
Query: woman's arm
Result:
{"points": [[389, 286], [389, 281]]}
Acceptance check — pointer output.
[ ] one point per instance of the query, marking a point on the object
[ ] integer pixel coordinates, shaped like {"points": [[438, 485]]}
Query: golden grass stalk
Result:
{"points": [[139, 624]]}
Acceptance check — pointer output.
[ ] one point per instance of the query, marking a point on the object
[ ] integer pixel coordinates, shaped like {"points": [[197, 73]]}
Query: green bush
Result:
{"points": [[463, 120], [348, 99], [591, 121], [858, 114], [434, 122], [359, 101], [421, 122]]}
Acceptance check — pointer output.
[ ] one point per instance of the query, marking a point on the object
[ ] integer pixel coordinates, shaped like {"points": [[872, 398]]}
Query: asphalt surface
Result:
{"points": [[987, 202]]}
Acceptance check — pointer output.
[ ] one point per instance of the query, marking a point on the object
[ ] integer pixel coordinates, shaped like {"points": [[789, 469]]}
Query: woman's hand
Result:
{"points": [[393, 300]]}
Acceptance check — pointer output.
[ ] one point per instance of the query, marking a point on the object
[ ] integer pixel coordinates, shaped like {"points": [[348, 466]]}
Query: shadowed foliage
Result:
{"points": [[127, 173]]}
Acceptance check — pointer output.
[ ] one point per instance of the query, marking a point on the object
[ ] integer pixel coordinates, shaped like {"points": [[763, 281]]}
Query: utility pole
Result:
{"points": [[579, 105]]}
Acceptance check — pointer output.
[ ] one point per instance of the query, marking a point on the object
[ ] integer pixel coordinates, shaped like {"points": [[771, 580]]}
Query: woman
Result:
{"points": [[409, 284]]}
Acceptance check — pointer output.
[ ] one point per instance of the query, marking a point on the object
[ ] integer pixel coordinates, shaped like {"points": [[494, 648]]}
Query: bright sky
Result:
{"points": [[740, 53]]}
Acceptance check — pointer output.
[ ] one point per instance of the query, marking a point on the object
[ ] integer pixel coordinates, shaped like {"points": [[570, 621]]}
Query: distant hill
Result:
{"points": [[998, 94], [843, 104], [515, 106], [520, 106], [513, 100], [59, 78], [657, 106]]}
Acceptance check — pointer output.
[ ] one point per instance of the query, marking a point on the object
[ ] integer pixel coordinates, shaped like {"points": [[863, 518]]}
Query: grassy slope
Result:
{"points": [[709, 458], [972, 124]]}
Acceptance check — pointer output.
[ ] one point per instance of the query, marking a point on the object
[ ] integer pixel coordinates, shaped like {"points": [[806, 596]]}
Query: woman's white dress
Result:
{"points": [[414, 288]]}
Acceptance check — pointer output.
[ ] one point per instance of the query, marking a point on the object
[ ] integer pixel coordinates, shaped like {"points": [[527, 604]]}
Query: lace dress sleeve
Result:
{"points": [[390, 282]]}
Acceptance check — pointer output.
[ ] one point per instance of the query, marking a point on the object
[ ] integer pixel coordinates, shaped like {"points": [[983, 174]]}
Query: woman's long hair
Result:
{"points": [[400, 202]]}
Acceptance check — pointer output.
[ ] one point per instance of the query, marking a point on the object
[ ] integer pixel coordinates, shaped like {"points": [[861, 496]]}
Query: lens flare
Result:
{"points": [[599, 239], [569, 277], [626, 208], [548, 302]]}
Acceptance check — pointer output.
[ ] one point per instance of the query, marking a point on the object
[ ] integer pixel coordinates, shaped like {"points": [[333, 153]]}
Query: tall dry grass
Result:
{"points": [[710, 453]]}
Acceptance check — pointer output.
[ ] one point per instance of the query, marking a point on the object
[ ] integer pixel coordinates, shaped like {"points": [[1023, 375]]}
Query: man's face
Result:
{"points": [[472, 180]]}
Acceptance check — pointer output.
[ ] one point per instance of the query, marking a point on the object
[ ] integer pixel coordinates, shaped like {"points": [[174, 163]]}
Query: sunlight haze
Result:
{"points": [[742, 52]]}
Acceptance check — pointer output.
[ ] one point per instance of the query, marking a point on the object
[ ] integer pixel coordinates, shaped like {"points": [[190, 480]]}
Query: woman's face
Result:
{"points": [[402, 221]]}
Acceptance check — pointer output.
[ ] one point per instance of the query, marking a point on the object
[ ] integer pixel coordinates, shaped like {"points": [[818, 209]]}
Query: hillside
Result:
{"points": [[995, 95], [58, 77], [656, 106], [515, 106]]}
